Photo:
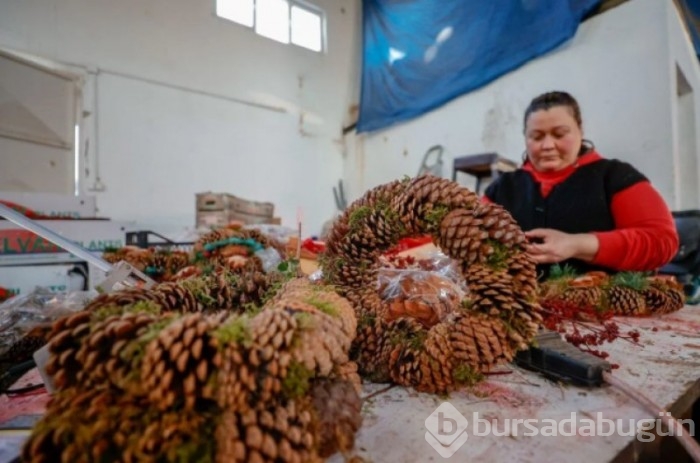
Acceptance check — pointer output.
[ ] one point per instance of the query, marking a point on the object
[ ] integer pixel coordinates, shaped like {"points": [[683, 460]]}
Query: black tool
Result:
{"points": [[556, 359]]}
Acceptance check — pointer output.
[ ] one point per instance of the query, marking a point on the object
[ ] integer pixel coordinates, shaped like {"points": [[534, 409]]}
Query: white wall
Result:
{"points": [[684, 116], [617, 66], [179, 127]]}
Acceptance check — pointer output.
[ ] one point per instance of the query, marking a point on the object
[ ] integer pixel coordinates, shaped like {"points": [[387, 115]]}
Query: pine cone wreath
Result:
{"points": [[405, 342]]}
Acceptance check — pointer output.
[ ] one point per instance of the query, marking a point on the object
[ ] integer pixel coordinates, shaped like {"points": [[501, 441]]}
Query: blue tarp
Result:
{"points": [[420, 54], [691, 14]]}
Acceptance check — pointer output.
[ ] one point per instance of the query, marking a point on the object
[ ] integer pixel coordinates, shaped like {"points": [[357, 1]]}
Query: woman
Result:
{"points": [[577, 207]]}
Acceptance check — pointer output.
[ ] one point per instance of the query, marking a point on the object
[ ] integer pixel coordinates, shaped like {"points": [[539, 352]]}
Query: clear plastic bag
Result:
{"points": [[437, 263], [22, 313], [270, 258], [424, 295]]}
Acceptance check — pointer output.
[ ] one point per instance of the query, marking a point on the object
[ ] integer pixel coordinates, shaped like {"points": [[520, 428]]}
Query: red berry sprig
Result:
{"points": [[585, 327]]}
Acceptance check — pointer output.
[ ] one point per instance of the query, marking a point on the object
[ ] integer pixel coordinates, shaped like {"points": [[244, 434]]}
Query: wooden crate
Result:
{"points": [[212, 218], [249, 207], [212, 201]]}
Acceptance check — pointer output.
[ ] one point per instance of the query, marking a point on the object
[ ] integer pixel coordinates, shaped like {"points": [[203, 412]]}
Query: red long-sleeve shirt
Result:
{"points": [[645, 235]]}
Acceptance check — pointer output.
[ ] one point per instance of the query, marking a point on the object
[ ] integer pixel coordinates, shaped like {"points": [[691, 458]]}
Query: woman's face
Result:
{"points": [[553, 139]]}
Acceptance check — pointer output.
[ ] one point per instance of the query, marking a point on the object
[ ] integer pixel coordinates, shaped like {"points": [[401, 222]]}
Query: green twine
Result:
{"points": [[249, 242]]}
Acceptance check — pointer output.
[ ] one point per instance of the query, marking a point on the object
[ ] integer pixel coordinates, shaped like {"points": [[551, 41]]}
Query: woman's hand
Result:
{"points": [[548, 246]]}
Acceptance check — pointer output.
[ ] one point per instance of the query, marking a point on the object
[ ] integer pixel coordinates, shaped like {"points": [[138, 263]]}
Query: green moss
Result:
{"points": [[199, 287], [634, 280], [105, 312], [466, 304], [305, 321], [134, 351], [465, 375], [296, 383], [330, 267], [433, 218], [289, 268], [357, 217], [411, 339], [324, 306], [234, 331], [252, 309], [366, 319], [498, 260], [324, 289], [392, 218], [199, 450]]}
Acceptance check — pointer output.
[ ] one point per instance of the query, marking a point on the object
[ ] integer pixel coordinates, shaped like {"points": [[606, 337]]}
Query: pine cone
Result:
{"points": [[368, 349], [671, 289], [178, 363], [583, 296], [177, 298], [125, 297], [273, 332], [491, 291], [676, 300], [323, 298], [177, 260], [267, 434], [461, 236], [437, 362], [625, 301], [521, 266], [182, 435], [348, 372], [404, 339], [422, 193], [66, 335], [499, 224], [338, 408], [23, 349], [101, 353], [321, 339], [481, 342]]}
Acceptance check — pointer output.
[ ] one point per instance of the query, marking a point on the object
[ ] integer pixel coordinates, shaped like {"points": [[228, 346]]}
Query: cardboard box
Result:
{"points": [[54, 205]]}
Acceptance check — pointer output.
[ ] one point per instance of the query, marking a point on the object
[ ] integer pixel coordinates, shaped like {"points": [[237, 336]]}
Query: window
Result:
{"points": [[286, 21]]}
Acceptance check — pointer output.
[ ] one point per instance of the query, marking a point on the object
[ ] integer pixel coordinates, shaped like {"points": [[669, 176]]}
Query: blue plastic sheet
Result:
{"points": [[420, 54], [690, 10]]}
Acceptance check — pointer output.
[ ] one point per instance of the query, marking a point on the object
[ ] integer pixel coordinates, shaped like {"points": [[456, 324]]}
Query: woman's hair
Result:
{"points": [[550, 100]]}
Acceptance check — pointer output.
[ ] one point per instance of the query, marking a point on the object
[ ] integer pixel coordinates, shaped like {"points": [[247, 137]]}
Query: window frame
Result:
{"points": [[305, 5]]}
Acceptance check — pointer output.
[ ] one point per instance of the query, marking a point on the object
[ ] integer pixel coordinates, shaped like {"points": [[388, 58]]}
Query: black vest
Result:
{"points": [[580, 204]]}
